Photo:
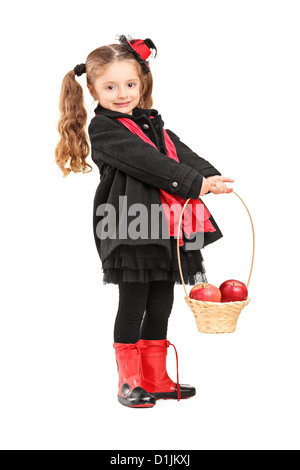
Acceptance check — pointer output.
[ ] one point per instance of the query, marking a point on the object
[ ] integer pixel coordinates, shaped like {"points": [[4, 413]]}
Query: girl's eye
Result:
{"points": [[110, 87]]}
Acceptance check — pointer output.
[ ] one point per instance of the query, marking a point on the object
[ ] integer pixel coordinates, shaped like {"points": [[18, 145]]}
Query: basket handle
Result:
{"points": [[178, 253]]}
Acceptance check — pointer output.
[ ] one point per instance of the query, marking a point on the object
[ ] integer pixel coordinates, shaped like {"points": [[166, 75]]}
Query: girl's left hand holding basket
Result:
{"points": [[217, 184]]}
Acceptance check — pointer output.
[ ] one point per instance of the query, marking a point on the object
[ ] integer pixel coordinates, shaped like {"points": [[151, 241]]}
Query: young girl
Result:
{"points": [[140, 164]]}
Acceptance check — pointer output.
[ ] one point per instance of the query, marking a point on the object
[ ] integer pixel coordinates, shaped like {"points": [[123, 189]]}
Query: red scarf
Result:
{"points": [[194, 219]]}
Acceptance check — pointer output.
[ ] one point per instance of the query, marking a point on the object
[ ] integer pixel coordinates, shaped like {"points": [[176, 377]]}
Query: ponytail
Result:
{"points": [[73, 146]]}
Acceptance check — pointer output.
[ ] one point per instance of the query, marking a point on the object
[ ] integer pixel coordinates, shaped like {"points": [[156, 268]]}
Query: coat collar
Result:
{"points": [[136, 112]]}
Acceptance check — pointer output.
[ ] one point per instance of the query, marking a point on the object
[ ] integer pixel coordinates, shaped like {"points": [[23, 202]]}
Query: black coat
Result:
{"points": [[131, 167]]}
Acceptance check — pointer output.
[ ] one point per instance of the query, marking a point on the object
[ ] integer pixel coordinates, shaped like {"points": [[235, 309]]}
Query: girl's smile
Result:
{"points": [[118, 87], [123, 104]]}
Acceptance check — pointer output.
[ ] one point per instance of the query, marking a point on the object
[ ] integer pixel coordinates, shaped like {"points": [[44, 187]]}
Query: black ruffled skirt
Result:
{"points": [[148, 263]]}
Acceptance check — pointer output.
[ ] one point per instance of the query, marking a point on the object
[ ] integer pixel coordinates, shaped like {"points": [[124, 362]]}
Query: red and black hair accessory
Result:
{"points": [[140, 48]]}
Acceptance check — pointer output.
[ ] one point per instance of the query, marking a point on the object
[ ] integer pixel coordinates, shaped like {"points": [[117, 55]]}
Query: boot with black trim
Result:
{"points": [[155, 376], [130, 391]]}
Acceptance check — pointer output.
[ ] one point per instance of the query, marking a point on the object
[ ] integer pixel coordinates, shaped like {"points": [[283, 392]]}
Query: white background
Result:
{"points": [[226, 80]]}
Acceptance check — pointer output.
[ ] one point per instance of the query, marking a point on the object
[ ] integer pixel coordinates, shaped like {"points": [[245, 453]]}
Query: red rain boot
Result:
{"points": [[155, 377], [130, 391]]}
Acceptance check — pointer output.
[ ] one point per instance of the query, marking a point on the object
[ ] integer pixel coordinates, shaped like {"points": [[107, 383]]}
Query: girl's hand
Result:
{"points": [[217, 184]]}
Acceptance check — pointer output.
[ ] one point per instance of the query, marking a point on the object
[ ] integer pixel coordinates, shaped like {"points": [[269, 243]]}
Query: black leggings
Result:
{"points": [[144, 310]]}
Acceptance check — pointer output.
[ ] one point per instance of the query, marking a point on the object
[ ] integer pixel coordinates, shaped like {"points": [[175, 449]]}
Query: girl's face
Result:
{"points": [[118, 88]]}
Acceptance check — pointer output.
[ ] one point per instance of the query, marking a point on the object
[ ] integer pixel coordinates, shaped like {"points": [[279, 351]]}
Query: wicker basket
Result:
{"points": [[215, 317]]}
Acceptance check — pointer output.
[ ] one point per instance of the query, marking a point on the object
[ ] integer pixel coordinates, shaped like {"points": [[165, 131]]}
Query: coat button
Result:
{"points": [[174, 184], [145, 126]]}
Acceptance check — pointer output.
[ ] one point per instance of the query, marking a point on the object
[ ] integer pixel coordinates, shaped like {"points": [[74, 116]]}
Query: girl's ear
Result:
{"points": [[92, 92]]}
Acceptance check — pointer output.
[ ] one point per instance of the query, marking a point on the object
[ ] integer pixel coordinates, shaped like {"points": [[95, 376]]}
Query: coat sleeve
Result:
{"points": [[117, 146], [190, 158]]}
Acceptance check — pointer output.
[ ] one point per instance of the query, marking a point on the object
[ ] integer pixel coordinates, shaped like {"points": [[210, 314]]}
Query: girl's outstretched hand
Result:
{"points": [[217, 184]]}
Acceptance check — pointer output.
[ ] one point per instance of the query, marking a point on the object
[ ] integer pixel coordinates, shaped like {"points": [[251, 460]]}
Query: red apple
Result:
{"points": [[233, 291], [206, 292]]}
